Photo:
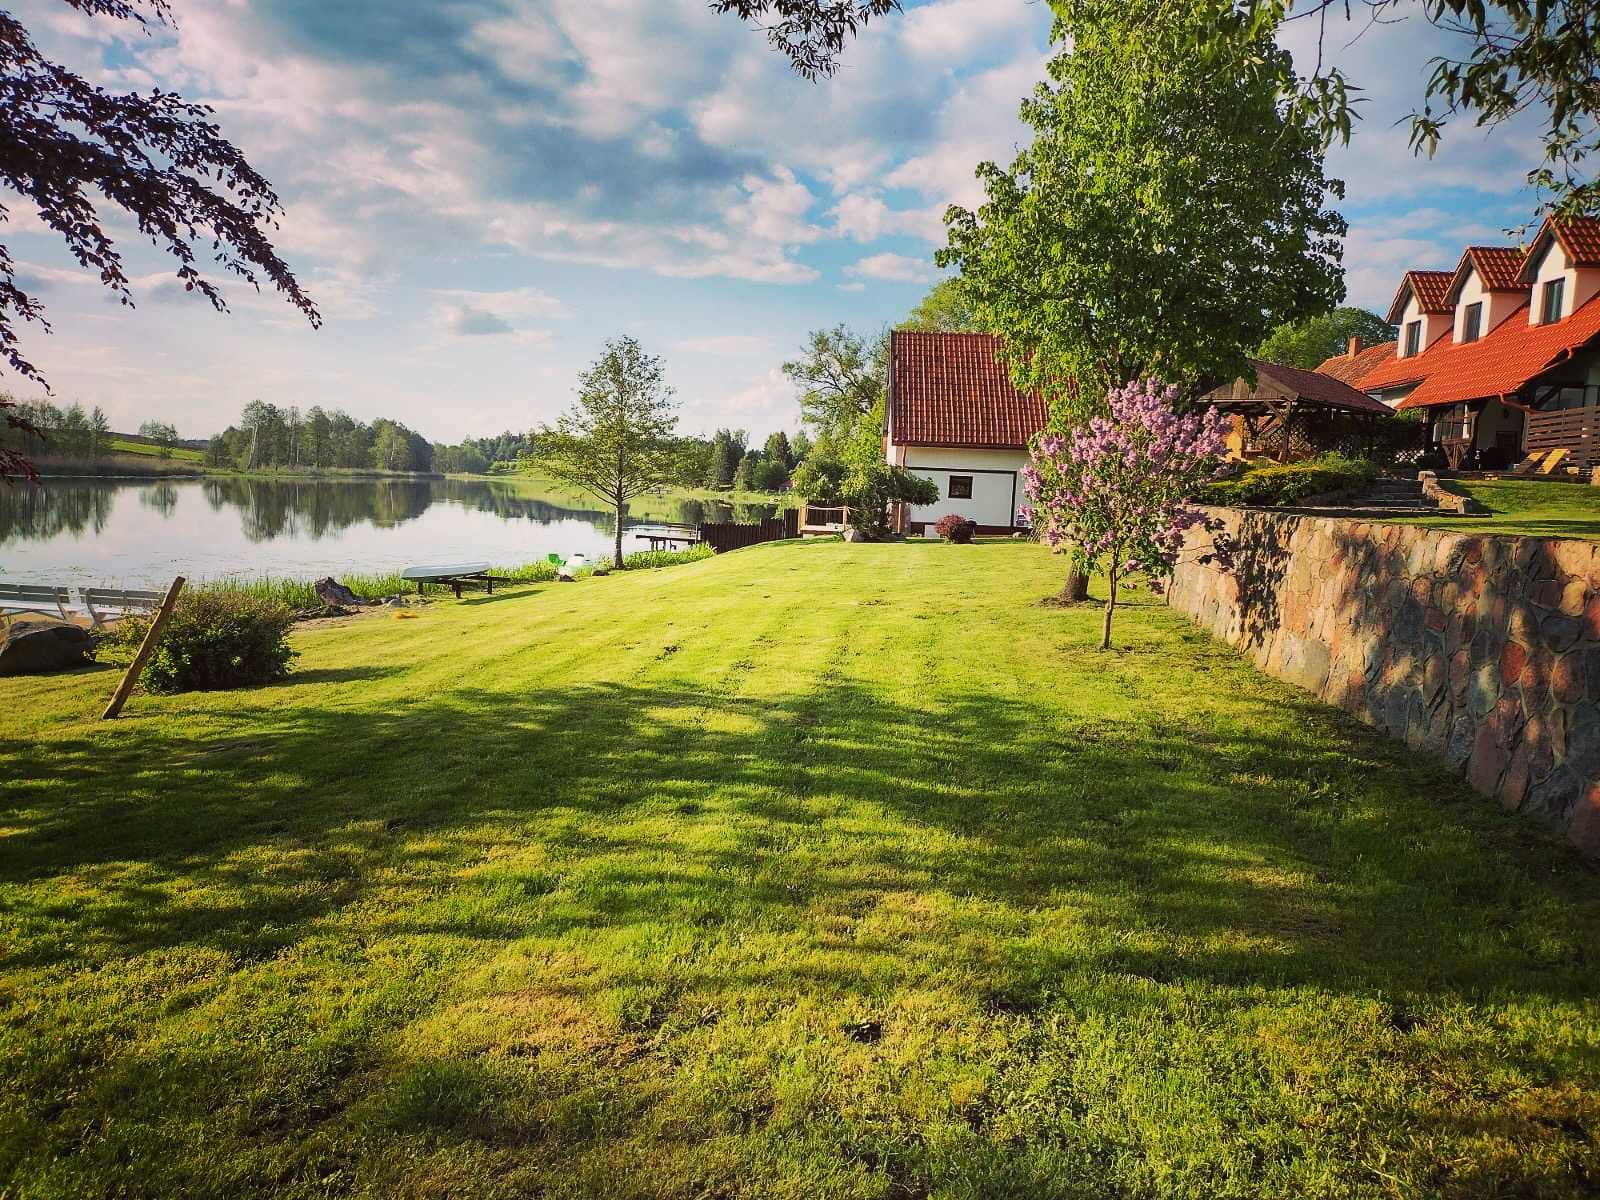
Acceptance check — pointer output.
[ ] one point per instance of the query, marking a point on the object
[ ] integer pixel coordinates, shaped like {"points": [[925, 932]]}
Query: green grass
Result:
{"points": [[807, 871], [122, 445], [1525, 508]]}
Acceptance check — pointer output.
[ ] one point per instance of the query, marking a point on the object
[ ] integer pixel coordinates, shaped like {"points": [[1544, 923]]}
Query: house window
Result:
{"points": [[1551, 311], [1472, 325], [960, 487], [1413, 338]]}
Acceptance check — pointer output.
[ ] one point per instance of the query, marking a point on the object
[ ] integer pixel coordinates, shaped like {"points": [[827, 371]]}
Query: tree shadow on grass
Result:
{"points": [[891, 846]]}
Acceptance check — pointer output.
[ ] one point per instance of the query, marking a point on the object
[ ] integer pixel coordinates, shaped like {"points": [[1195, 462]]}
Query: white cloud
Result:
{"points": [[866, 218], [893, 268]]}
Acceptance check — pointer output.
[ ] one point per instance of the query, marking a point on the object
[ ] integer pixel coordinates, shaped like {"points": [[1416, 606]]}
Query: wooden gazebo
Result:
{"points": [[1288, 412]]}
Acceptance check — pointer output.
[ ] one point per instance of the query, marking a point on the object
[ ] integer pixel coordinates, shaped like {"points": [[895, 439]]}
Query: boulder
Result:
{"points": [[37, 645], [334, 594], [854, 535]]}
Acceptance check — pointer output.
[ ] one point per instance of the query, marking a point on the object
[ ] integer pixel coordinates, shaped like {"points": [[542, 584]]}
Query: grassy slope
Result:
{"points": [[1529, 509], [816, 870], [122, 445]]}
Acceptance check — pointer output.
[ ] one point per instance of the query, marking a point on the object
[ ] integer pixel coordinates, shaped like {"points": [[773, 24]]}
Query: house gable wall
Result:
{"points": [[1582, 283], [1434, 325], [1497, 306]]}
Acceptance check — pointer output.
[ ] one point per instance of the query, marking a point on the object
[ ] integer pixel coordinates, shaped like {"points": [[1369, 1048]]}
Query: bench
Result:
{"points": [[117, 602], [97, 602], [30, 597]]}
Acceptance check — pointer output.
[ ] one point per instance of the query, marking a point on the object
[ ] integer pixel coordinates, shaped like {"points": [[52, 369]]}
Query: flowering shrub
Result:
{"points": [[1115, 493], [956, 528]]}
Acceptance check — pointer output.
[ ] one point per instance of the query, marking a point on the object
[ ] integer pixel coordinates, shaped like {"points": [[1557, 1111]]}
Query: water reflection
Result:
{"points": [[312, 509], [110, 530]]}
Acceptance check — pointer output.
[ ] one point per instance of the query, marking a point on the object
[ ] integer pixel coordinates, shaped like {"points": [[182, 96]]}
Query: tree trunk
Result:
{"points": [[1111, 605], [1075, 588], [616, 549]]}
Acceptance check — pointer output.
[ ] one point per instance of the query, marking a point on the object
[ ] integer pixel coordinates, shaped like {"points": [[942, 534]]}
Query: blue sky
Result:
{"points": [[479, 193]]}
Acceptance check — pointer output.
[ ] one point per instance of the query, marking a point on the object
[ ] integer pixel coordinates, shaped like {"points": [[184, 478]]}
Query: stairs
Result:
{"points": [[1394, 497]]}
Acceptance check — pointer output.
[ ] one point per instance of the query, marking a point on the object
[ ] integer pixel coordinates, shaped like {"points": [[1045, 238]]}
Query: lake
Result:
{"points": [[124, 533]]}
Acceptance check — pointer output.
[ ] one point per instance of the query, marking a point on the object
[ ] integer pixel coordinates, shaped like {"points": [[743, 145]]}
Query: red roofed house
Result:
{"points": [[1506, 354], [954, 417]]}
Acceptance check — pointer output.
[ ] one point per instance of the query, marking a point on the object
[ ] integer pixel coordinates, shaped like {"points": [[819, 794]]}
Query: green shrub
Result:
{"points": [[220, 638], [1283, 484]]}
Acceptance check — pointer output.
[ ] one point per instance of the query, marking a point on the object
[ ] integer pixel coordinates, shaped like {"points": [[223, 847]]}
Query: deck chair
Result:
{"points": [[1554, 460], [1530, 464], [31, 597]]}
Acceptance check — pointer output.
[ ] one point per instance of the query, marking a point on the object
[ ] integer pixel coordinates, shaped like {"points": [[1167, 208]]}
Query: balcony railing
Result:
{"points": [[1576, 430]]}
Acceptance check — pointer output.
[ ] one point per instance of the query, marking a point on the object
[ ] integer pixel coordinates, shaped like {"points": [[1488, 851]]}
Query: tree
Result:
{"points": [[617, 441], [801, 445], [842, 377], [945, 309], [163, 437], [1520, 57], [810, 33], [1308, 342], [727, 448], [1167, 216], [770, 475], [99, 431], [1114, 493], [848, 466], [14, 463], [744, 476], [70, 144], [779, 450]]}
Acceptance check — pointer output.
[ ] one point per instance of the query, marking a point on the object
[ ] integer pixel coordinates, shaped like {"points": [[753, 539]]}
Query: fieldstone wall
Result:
{"points": [[1482, 650]]}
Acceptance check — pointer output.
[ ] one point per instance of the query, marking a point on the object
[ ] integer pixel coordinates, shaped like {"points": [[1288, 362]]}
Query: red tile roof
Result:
{"points": [[1498, 268], [1504, 359], [1432, 290], [1347, 367], [950, 389], [1579, 237], [1395, 372]]}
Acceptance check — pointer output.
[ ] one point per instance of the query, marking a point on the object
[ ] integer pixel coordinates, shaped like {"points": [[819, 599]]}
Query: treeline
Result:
{"points": [[268, 436], [70, 431], [727, 460]]}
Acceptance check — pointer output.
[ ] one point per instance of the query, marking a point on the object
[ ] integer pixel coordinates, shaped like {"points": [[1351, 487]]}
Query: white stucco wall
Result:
{"points": [[1582, 283], [1497, 306], [1434, 325], [996, 481]]}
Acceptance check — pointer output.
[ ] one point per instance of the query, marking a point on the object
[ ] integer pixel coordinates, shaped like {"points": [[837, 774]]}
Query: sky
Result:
{"points": [[480, 193]]}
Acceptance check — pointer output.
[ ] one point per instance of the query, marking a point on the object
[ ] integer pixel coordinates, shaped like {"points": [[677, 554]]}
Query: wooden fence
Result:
{"points": [[1575, 429], [732, 535]]}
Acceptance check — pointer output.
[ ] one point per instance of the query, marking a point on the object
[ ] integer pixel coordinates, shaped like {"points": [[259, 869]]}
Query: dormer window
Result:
{"points": [[1550, 308], [1472, 322], [1413, 337]]}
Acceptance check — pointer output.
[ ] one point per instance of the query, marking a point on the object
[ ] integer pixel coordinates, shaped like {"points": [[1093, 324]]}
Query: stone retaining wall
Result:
{"points": [[1483, 650]]}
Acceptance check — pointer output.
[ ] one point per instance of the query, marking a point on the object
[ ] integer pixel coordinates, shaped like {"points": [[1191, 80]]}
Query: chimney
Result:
{"points": [[1355, 346]]}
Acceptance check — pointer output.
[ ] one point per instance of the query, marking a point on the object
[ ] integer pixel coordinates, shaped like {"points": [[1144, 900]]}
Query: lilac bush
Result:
{"points": [[1115, 493]]}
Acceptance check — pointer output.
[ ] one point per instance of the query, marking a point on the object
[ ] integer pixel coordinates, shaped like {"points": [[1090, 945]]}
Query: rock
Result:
{"points": [[854, 535], [36, 645], [334, 594]]}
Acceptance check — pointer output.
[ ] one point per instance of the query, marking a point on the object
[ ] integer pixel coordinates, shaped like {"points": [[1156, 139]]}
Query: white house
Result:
{"points": [[954, 417]]}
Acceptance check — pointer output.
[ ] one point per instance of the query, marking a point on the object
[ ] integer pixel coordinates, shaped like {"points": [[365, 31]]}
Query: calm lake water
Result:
{"points": [[118, 533]]}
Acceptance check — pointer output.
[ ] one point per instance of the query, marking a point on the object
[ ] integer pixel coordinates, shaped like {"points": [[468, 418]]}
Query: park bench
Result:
{"points": [[101, 602], [30, 597], [97, 602]]}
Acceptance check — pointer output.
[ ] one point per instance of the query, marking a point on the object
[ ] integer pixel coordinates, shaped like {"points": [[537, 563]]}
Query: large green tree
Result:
{"points": [[1169, 213], [841, 375], [1538, 57], [1308, 342], [617, 441]]}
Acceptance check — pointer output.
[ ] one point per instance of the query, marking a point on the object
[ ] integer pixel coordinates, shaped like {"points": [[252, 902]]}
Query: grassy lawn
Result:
{"points": [[807, 871], [1525, 508], [121, 445]]}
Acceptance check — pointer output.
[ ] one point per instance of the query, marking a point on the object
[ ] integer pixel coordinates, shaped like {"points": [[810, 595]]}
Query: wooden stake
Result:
{"points": [[151, 637]]}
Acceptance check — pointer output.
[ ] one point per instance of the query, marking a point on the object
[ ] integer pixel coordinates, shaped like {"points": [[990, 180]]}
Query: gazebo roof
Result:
{"points": [[1277, 384]]}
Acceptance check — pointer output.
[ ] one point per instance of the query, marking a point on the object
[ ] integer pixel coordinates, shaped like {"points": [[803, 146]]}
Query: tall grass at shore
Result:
{"points": [[300, 594]]}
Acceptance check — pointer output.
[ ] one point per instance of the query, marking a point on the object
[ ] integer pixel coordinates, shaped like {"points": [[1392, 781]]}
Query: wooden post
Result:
{"points": [[151, 637]]}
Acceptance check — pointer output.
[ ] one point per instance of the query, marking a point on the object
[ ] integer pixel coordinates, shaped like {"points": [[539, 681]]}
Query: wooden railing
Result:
{"points": [[734, 535], [824, 516], [1576, 430]]}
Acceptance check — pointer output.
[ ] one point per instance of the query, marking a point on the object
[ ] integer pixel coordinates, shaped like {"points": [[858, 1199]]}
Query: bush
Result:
{"points": [[219, 638], [1289, 483], [651, 559], [956, 529]]}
